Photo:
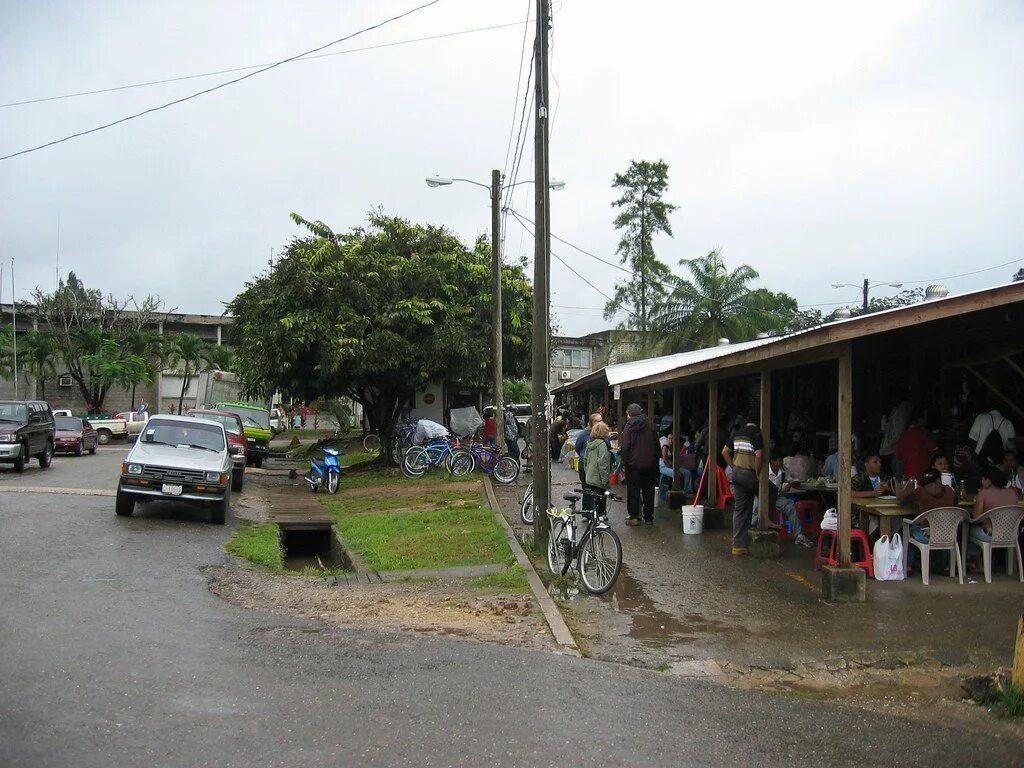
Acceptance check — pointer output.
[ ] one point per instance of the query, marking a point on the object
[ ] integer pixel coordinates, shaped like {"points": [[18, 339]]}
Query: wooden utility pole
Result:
{"points": [[843, 505], [499, 395], [541, 271], [763, 491], [1018, 653], [714, 449]]}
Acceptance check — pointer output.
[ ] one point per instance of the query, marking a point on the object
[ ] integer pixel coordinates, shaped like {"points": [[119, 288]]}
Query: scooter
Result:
{"points": [[326, 473]]}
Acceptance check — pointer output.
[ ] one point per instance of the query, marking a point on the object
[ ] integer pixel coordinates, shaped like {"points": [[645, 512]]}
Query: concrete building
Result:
{"points": [[573, 357]]}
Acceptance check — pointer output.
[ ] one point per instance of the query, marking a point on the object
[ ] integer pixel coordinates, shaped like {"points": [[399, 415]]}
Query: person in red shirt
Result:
{"points": [[915, 448], [490, 428]]}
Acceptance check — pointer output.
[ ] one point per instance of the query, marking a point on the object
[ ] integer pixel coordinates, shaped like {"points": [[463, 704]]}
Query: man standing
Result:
{"points": [[142, 406], [640, 453], [744, 452]]}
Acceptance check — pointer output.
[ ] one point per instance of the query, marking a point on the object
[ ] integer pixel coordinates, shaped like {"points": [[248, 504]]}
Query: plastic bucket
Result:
{"points": [[693, 519]]}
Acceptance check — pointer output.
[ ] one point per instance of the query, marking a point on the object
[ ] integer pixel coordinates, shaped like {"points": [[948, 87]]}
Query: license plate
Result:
{"points": [[171, 490]]}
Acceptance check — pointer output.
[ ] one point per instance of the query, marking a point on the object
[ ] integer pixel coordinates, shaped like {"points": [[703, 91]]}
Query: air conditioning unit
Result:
{"points": [[64, 381], [564, 375]]}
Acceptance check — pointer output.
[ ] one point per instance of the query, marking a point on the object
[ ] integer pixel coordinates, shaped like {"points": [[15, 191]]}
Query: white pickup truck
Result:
{"points": [[136, 421]]}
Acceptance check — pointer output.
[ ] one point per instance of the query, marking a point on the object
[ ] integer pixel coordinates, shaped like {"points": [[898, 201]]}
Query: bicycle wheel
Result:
{"points": [[506, 470], [371, 443], [462, 462], [398, 451], [556, 550], [415, 462], [526, 510], [600, 560]]}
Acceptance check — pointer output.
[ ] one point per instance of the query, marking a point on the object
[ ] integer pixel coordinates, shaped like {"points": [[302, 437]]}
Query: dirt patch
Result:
{"points": [[252, 505], [437, 607]]}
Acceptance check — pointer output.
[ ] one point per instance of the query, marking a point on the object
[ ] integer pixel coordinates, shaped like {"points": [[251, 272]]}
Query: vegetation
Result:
{"points": [[38, 353], [192, 354], [512, 579], [642, 214], [260, 544], [375, 314], [516, 390]]}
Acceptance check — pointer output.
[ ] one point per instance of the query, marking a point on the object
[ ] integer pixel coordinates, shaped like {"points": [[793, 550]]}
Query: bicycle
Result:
{"points": [[598, 555], [419, 458], [504, 469], [526, 506]]}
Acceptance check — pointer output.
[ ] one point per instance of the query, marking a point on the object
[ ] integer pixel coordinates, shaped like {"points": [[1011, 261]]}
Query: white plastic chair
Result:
{"points": [[943, 525], [1005, 530]]}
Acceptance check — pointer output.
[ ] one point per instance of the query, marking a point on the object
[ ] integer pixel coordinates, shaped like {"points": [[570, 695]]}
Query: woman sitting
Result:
{"points": [[930, 494], [993, 493]]}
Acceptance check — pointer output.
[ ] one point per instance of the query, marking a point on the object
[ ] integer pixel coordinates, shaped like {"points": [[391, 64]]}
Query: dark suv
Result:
{"points": [[26, 430]]}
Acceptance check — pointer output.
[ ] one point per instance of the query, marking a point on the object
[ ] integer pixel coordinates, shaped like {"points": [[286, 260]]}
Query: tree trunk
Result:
{"points": [[184, 386], [133, 396], [381, 411]]}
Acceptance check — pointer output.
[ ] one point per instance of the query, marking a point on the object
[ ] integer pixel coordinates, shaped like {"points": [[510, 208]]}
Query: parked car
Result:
{"points": [[232, 424], [62, 412], [109, 427], [74, 435], [256, 423], [178, 457], [26, 430], [136, 421]]}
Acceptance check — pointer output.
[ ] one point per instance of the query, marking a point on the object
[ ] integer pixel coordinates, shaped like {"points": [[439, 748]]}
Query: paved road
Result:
{"points": [[114, 653]]}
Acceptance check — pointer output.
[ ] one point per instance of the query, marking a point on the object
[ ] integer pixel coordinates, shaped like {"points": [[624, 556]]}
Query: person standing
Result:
{"points": [[598, 471], [640, 452], [915, 447], [583, 438], [142, 406], [744, 453]]}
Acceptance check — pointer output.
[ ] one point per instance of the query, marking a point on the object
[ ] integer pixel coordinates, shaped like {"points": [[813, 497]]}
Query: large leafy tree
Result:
{"points": [[192, 353], [38, 352], [642, 215], [716, 303], [110, 365], [375, 314], [83, 320]]}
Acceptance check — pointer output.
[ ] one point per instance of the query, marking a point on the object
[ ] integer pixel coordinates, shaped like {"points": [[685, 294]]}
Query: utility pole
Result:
{"points": [[14, 329], [541, 270], [866, 286], [499, 395]]}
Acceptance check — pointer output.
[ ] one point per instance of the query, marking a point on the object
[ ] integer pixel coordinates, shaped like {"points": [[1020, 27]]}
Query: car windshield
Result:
{"points": [[230, 423], [68, 423], [198, 435], [14, 412], [251, 417]]}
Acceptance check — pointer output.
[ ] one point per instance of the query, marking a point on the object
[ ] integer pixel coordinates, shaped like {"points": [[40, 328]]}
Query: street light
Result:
{"points": [[866, 286], [495, 190]]}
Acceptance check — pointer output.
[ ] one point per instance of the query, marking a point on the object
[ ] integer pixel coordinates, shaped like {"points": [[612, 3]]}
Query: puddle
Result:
{"points": [[650, 626]]}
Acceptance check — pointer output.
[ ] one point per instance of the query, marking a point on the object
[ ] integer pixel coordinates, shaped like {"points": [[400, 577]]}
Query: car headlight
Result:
{"points": [[8, 438], [134, 469], [213, 477]]}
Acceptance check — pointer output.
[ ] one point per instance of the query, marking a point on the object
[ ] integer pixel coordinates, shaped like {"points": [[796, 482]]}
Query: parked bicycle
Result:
{"points": [[474, 455], [591, 544], [419, 458], [526, 506]]}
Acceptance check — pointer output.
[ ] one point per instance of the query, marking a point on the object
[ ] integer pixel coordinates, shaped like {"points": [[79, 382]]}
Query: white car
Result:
{"points": [[178, 457]]}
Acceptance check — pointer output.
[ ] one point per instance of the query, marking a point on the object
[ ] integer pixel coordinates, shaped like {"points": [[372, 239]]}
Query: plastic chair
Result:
{"points": [[724, 489], [829, 542], [943, 524], [1005, 528], [809, 512]]}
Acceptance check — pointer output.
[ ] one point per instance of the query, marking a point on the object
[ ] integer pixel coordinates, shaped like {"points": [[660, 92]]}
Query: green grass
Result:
{"points": [[385, 478], [1012, 701], [364, 504], [510, 580], [259, 543], [356, 457]]}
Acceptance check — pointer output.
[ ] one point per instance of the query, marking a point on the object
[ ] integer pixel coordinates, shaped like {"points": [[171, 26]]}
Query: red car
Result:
{"points": [[236, 440], [73, 435]]}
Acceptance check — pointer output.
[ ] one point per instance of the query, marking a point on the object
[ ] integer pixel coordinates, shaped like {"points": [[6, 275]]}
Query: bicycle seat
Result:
{"points": [[570, 497]]}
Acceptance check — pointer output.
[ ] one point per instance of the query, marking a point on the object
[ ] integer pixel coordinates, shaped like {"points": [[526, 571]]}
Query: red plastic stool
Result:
{"points": [[809, 513], [776, 517], [857, 536]]}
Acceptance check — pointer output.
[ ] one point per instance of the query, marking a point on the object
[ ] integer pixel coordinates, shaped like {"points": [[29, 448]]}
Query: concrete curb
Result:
{"points": [[60, 491], [559, 629]]}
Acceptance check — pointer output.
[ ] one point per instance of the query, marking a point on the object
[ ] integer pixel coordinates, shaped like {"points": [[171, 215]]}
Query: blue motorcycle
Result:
{"points": [[327, 472]]}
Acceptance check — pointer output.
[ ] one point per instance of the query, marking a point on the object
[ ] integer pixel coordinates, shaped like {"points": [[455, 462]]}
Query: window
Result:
{"points": [[558, 358], [580, 358]]}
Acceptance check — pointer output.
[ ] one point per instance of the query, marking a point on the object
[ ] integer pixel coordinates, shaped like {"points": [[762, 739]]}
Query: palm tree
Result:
{"points": [[7, 352], [193, 354], [221, 358], [39, 351], [155, 349], [715, 304]]}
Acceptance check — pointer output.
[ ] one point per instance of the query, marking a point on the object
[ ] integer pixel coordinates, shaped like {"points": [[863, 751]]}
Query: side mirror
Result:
{"points": [[234, 450]]}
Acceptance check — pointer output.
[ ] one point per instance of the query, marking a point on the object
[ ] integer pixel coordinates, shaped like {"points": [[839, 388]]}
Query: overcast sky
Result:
{"points": [[819, 142]]}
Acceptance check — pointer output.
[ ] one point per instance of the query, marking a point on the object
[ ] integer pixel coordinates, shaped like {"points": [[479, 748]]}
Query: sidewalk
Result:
{"points": [[684, 604]]}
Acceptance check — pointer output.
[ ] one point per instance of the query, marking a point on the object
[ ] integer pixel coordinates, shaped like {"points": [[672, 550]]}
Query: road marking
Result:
{"points": [[60, 491], [801, 580]]}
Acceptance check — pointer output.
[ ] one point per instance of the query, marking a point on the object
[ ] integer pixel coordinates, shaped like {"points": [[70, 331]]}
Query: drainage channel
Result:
{"points": [[311, 545]]}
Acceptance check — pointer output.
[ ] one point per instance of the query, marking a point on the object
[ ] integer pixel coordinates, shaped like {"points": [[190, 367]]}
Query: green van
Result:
{"points": [[256, 424]]}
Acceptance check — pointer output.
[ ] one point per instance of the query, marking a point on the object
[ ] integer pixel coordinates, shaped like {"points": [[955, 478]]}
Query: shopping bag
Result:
{"points": [[830, 522], [888, 558]]}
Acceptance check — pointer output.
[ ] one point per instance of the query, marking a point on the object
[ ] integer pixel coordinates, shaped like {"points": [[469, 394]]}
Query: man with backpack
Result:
{"points": [[992, 434], [640, 450]]}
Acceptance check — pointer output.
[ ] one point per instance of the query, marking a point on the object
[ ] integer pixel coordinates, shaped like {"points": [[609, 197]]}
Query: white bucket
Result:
{"points": [[693, 519]]}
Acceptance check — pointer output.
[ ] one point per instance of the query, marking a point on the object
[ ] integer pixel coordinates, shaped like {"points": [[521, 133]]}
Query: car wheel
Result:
{"points": [[80, 448], [103, 436], [19, 463], [46, 456], [237, 479], [219, 509], [124, 504], [92, 451]]}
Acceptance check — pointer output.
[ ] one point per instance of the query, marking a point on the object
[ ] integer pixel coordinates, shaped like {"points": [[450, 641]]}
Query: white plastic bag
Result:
{"points": [[888, 559], [428, 430], [830, 522]]}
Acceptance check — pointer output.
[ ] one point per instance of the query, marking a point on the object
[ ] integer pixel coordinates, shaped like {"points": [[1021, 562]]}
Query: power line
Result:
{"points": [[222, 85], [519, 82], [962, 274], [581, 250], [255, 66]]}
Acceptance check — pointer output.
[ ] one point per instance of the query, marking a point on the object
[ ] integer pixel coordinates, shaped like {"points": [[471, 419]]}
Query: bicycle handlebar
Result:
{"points": [[606, 494]]}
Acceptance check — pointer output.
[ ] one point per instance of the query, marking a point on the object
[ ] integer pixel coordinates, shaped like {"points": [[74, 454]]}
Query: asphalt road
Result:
{"points": [[114, 653]]}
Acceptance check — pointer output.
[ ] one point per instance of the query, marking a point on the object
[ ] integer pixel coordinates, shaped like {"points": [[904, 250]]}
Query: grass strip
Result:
{"points": [[512, 580], [260, 544]]}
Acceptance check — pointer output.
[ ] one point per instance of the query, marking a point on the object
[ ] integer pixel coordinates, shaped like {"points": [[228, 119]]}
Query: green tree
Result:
{"points": [[38, 352], [881, 303], [716, 303], [221, 358], [642, 214], [82, 320], [516, 391], [7, 352], [192, 354], [374, 315], [109, 365]]}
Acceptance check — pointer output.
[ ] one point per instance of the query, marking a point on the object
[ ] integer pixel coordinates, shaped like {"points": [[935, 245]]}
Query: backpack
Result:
{"points": [[991, 449], [512, 426]]}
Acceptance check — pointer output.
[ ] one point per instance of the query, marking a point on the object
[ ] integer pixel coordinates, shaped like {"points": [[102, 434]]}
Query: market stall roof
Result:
{"points": [[703, 363]]}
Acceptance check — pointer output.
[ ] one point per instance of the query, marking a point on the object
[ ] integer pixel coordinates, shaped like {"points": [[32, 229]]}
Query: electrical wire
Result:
{"points": [[319, 48], [519, 82], [962, 274]]}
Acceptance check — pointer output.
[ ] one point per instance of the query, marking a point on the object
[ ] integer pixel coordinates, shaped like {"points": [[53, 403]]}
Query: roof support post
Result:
{"points": [[845, 387], [711, 468], [676, 438], [763, 491]]}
